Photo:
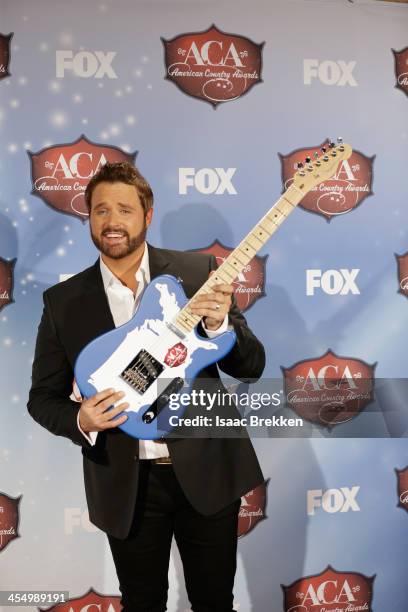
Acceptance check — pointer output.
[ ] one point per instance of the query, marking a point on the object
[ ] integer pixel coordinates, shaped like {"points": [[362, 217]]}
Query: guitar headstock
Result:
{"points": [[323, 167]]}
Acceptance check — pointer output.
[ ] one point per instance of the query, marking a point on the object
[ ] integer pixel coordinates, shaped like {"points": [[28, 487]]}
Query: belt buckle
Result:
{"points": [[162, 460]]}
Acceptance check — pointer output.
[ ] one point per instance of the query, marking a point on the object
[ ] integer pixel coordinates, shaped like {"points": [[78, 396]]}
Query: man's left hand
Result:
{"points": [[213, 306]]}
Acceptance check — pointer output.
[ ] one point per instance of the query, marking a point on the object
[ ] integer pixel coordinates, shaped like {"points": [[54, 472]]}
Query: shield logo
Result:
{"points": [[401, 69], [402, 488], [249, 285], [213, 65], [329, 390], [5, 40], [9, 519], [61, 173], [252, 509], [92, 600], [6, 282], [330, 591], [176, 355], [402, 261], [346, 190]]}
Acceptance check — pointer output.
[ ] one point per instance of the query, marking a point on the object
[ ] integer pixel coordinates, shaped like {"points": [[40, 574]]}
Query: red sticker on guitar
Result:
{"points": [[176, 355]]}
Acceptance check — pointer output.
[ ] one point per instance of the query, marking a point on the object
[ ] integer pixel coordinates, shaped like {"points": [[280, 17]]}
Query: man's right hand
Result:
{"points": [[94, 414]]}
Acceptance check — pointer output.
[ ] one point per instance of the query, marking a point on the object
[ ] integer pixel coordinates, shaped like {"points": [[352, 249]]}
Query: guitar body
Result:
{"points": [[148, 360]]}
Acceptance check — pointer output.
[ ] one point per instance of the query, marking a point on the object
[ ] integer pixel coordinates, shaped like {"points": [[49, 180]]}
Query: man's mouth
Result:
{"points": [[114, 237]]}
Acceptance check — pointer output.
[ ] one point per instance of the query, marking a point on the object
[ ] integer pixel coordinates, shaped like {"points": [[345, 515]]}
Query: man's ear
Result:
{"points": [[149, 216]]}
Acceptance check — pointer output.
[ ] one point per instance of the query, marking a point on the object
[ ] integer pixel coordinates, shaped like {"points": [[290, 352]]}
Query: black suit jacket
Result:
{"points": [[213, 472]]}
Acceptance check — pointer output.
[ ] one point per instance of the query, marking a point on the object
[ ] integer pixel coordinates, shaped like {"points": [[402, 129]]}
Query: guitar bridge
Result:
{"points": [[142, 371]]}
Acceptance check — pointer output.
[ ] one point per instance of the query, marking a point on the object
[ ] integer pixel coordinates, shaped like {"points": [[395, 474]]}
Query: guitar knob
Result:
{"points": [[300, 165], [323, 149], [308, 159]]}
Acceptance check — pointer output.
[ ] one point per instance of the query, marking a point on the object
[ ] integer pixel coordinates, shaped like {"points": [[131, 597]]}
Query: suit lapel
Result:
{"points": [[95, 303], [158, 264]]}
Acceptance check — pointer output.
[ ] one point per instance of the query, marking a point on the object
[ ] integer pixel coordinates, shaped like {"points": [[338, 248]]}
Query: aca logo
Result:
{"points": [[5, 40], [402, 488], [332, 282], [402, 261], [9, 519], [6, 282], [85, 64], [332, 500], [329, 72], [339, 195], [252, 509], [91, 601], [212, 65], [207, 181], [335, 591], [329, 390], [61, 173], [401, 69], [249, 285]]}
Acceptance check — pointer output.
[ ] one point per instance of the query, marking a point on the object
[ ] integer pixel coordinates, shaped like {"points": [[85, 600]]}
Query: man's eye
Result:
{"points": [[124, 210]]}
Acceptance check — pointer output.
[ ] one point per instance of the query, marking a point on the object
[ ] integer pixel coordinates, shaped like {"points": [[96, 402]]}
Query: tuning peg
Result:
{"points": [[331, 144], [340, 140], [300, 165], [308, 159], [315, 155], [323, 149]]}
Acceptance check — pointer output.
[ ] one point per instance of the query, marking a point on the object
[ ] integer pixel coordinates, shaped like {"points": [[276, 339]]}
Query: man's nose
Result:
{"points": [[112, 217]]}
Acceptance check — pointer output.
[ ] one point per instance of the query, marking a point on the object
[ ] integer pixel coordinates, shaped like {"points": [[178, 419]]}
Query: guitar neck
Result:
{"points": [[236, 261]]}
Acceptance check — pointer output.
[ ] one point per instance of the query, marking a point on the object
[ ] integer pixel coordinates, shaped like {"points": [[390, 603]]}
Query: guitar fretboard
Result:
{"points": [[243, 253]]}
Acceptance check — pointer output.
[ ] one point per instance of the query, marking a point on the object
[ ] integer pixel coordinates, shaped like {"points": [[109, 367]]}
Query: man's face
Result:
{"points": [[117, 220]]}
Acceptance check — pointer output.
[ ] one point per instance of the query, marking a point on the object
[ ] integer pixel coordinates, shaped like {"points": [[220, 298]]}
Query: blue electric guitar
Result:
{"points": [[158, 353]]}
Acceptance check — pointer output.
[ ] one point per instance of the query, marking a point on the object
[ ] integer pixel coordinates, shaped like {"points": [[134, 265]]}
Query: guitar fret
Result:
{"points": [[248, 248], [224, 274], [265, 229], [243, 263], [225, 271], [251, 240], [278, 216], [257, 238], [268, 225], [234, 264], [186, 325], [185, 317], [293, 195]]}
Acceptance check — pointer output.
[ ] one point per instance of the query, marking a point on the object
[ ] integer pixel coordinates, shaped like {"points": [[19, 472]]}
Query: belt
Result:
{"points": [[159, 460]]}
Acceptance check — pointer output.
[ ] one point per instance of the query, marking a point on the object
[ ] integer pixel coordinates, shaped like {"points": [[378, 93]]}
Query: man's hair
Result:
{"points": [[121, 172]]}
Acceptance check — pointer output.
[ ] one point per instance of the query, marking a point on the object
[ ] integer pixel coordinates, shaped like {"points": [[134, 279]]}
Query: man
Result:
{"points": [[141, 493]]}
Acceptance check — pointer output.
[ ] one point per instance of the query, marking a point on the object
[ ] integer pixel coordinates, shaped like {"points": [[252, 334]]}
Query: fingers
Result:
{"points": [[108, 401], [111, 421], [101, 395], [214, 305], [94, 413], [223, 288]]}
